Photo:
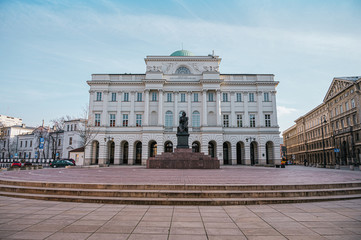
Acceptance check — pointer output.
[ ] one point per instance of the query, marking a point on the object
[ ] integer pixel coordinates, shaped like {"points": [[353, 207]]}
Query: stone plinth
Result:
{"points": [[182, 140], [183, 158]]}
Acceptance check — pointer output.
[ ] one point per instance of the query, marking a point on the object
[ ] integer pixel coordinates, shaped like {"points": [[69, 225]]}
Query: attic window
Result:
{"points": [[182, 70]]}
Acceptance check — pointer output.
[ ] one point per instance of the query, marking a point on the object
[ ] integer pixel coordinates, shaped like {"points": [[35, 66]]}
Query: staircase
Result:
{"points": [[180, 194]]}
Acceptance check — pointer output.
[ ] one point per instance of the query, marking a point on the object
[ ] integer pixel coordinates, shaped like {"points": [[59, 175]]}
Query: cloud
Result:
{"points": [[284, 111]]}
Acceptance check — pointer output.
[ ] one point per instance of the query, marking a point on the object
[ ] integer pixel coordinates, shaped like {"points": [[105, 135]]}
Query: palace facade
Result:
{"points": [[329, 134], [135, 116]]}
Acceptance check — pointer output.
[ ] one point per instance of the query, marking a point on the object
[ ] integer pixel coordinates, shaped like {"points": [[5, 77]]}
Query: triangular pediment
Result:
{"points": [[337, 86]]}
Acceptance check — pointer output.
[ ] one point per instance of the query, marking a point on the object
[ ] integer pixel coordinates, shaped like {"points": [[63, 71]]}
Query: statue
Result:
{"points": [[183, 124]]}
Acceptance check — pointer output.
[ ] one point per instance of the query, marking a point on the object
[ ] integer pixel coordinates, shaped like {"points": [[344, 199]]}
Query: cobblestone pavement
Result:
{"points": [[225, 175], [36, 219]]}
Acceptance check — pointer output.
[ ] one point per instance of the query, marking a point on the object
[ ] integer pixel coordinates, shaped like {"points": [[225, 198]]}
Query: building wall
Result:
{"points": [[330, 133], [175, 92]]}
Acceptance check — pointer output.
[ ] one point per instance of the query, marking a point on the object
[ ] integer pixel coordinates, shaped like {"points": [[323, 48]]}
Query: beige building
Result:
{"points": [[330, 133]]}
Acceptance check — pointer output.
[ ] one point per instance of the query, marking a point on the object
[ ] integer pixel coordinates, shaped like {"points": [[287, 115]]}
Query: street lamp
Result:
{"points": [[323, 140]]}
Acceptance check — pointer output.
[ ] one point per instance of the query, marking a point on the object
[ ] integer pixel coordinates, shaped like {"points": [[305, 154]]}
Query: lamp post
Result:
{"points": [[323, 140]]}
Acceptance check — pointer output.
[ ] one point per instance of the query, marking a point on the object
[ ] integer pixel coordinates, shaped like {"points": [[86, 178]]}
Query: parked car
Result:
{"points": [[16, 164], [61, 163], [69, 159], [28, 164]]}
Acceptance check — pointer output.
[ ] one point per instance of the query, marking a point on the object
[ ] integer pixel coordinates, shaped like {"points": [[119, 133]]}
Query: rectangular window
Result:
{"points": [[70, 141], [29, 154], [267, 118], [68, 128], [183, 97], [239, 97], [251, 97], [31, 143], [126, 97], [225, 120], [337, 125], [59, 142], [114, 97], [154, 96], [71, 128], [112, 120], [352, 103], [138, 120], [225, 97], [252, 120], [239, 120], [195, 97], [336, 112], [354, 121], [347, 107], [342, 124], [125, 120], [348, 121], [139, 97], [21, 143], [266, 97], [99, 96], [341, 109], [169, 97], [74, 127], [210, 97], [26, 143], [97, 120]]}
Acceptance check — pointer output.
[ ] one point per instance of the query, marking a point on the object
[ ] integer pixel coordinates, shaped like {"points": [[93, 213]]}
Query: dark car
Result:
{"points": [[16, 164], [70, 160], [61, 163]]}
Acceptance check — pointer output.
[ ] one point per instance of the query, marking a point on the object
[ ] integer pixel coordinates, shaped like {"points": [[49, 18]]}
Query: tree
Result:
{"points": [[87, 132]]}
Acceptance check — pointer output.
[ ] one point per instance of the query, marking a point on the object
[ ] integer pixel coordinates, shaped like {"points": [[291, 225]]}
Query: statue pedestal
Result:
{"points": [[182, 140]]}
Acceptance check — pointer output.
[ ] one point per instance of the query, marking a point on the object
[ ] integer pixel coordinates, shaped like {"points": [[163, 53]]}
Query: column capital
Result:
{"points": [[146, 90]]}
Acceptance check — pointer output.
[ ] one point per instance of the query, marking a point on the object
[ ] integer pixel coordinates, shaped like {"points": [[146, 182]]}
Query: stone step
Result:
{"points": [[178, 201], [180, 193], [199, 187]]}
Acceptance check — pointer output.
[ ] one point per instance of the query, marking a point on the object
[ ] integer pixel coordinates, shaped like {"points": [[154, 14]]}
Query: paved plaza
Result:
{"points": [[35, 219], [226, 175]]}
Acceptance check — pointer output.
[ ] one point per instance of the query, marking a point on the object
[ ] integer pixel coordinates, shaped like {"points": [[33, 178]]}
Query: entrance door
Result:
{"points": [[138, 153], [225, 154]]}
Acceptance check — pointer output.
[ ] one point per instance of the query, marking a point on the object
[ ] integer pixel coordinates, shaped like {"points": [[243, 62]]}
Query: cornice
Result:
{"points": [[113, 83]]}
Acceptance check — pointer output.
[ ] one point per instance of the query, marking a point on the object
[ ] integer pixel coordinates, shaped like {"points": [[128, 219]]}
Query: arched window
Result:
{"points": [[196, 119], [168, 119], [168, 147], [182, 70]]}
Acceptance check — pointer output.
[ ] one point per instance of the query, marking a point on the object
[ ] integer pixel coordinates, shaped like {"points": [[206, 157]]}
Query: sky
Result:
{"points": [[49, 48]]}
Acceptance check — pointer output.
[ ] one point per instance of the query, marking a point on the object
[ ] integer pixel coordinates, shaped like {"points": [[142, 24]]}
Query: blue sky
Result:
{"points": [[49, 49]]}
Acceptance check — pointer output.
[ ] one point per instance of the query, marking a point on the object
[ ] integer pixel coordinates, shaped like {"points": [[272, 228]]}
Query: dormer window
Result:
{"points": [[182, 70]]}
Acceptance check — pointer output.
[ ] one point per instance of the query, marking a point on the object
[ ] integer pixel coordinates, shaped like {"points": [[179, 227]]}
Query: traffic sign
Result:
{"points": [[337, 150]]}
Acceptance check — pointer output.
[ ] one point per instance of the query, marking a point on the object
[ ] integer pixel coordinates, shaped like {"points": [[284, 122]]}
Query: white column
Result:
{"points": [[218, 108], [205, 112], [131, 117], [119, 107], [233, 114], [160, 108], [102, 152], [131, 153], [146, 107], [117, 153], [104, 116], [189, 108], [246, 114], [176, 115], [260, 118], [274, 108]]}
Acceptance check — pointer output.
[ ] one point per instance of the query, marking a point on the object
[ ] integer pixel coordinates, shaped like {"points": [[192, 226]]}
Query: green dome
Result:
{"points": [[182, 53]]}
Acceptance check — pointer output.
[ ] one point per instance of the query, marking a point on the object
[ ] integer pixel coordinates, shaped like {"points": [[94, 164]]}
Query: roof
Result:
{"points": [[182, 53], [354, 78], [81, 149]]}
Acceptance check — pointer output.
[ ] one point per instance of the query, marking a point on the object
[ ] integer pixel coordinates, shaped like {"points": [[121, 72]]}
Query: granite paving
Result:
{"points": [[36, 219]]}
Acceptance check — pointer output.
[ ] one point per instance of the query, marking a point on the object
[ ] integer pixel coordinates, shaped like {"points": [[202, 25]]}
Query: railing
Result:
{"points": [[6, 162]]}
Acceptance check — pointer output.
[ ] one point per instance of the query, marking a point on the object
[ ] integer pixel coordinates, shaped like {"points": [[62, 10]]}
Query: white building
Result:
{"points": [[231, 116], [6, 121], [72, 138]]}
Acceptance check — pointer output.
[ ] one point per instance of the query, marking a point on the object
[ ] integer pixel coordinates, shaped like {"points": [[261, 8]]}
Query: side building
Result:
{"points": [[329, 134], [135, 116]]}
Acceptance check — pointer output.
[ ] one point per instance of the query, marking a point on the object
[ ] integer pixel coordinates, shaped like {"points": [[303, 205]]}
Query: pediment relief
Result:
{"points": [[336, 87]]}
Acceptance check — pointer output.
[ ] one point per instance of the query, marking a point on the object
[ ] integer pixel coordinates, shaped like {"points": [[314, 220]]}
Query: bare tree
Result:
{"points": [[88, 131]]}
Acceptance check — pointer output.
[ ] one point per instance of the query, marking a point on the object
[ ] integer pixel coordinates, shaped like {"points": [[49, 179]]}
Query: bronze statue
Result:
{"points": [[183, 124]]}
